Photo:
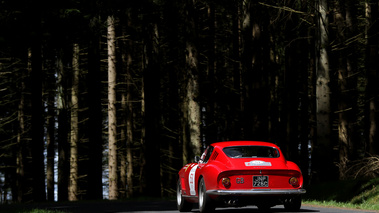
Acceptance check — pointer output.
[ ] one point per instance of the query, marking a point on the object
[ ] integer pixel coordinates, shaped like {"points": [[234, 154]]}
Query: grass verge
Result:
{"points": [[356, 194], [41, 211]]}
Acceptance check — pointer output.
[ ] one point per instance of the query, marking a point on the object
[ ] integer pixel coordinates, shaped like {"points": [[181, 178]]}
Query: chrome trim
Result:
{"points": [[256, 192], [189, 196]]}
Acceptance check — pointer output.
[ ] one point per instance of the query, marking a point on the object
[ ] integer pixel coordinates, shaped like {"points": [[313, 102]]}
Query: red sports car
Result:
{"points": [[240, 173]]}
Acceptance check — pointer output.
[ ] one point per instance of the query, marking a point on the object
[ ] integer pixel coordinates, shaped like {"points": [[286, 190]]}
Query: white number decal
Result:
{"points": [[191, 180]]}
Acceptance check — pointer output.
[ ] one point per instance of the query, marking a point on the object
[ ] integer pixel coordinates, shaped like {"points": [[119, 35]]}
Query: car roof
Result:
{"points": [[243, 143]]}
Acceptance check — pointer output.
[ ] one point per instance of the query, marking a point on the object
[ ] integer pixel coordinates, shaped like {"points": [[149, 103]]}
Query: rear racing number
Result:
{"points": [[240, 181]]}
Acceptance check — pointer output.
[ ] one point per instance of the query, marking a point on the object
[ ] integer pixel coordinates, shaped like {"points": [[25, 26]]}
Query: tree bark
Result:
{"points": [[246, 67], [95, 114], [74, 140], [21, 142], [236, 28], [129, 123], [210, 130], [126, 130], [343, 111], [63, 132], [37, 128], [122, 150], [112, 121], [129, 134], [192, 96], [151, 92], [50, 138], [372, 73], [290, 101], [142, 159], [322, 161]]}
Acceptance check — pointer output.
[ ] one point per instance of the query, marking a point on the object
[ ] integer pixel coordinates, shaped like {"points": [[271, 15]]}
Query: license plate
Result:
{"points": [[260, 181]]}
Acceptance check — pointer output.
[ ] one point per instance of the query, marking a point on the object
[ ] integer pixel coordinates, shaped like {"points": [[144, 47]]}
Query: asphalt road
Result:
{"points": [[161, 207]]}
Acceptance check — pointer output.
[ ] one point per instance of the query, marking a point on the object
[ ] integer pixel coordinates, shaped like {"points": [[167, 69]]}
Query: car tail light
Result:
{"points": [[294, 181], [226, 182]]}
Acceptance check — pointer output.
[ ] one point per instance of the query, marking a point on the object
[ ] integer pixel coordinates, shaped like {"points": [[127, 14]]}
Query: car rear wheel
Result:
{"points": [[293, 204], [205, 202], [183, 205]]}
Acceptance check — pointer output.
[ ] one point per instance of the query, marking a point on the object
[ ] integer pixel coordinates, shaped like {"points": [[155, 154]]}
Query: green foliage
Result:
{"points": [[342, 205], [363, 194], [42, 211], [369, 193]]}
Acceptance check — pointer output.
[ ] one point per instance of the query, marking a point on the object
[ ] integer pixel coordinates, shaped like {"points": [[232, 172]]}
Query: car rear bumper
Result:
{"points": [[256, 192]]}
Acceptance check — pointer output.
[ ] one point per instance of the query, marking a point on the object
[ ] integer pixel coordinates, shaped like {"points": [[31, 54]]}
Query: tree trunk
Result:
{"points": [[192, 101], [306, 69], [372, 73], [37, 128], [73, 191], [122, 152], [246, 67], [95, 114], [151, 84], [112, 120], [21, 154], [290, 101], [126, 131], [63, 132], [257, 85], [323, 158], [343, 111], [129, 134], [192, 96], [184, 138], [210, 130], [237, 70], [357, 146], [142, 159], [129, 123], [172, 13], [50, 138]]}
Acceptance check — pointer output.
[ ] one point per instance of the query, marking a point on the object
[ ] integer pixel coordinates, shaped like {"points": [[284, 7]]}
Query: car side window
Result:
{"points": [[208, 153]]}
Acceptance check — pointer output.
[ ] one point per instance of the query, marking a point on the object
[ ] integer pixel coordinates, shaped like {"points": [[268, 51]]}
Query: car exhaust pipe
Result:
{"points": [[232, 202]]}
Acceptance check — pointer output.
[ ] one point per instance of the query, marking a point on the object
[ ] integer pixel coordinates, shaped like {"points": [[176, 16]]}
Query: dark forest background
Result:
{"points": [[116, 96]]}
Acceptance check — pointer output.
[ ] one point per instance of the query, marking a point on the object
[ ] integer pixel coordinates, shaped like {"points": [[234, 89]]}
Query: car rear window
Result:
{"points": [[251, 152]]}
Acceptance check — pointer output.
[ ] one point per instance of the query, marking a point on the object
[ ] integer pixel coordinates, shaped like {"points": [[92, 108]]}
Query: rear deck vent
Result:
{"points": [[214, 156]]}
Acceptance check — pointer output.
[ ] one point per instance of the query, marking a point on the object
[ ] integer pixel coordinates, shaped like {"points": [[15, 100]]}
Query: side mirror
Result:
{"points": [[197, 159]]}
